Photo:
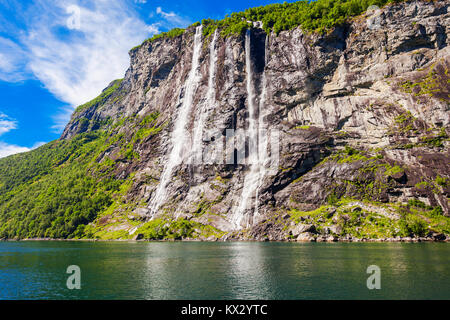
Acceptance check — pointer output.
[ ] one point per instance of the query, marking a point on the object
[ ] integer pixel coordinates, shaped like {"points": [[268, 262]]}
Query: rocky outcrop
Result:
{"points": [[362, 112]]}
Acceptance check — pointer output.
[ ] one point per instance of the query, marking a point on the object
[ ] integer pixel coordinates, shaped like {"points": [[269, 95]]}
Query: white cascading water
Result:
{"points": [[180, 135], [264, 159], [252, 178], [197, 152]]}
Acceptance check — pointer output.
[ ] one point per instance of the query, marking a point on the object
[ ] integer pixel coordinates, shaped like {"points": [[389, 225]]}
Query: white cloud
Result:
{"points": [[7, 149], [76, 66], [6, 65], [153, 29], [73, 64], [12, 61], [165, 14], [6, 124], [75, 57], [10, 149], [38, 144], [172, 20]]}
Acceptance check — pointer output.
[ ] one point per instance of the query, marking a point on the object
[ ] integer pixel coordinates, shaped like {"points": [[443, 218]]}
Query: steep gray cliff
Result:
{"points": [[361, 115]]}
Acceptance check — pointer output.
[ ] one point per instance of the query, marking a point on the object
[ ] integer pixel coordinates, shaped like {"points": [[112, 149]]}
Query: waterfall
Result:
{"points": [[180, 135], [197, 152], [263, 156], [251, 179]]}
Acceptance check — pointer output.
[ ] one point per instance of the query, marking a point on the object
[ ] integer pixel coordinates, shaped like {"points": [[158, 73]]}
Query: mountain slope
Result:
{"points": [[359, 116]]}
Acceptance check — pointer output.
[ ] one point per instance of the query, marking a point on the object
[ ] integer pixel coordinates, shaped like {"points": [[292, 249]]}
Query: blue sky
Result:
{"points": [[58, 54]]}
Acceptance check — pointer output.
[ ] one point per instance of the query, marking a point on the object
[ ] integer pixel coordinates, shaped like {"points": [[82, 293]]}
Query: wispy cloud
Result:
{"points": [[10, 149], [38, 144], [75, 57], [6, 124], [75, 65], [12, 61], [166, 15], [171, 19], [7, 149], [74, 50], [153, 29]]}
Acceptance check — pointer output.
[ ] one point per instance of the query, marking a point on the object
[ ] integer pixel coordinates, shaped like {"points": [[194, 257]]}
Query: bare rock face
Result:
{"points": [[361, 113], [302, 228], [306, 237]]}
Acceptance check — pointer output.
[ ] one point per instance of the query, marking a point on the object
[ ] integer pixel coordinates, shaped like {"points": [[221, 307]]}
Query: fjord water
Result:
{"points": [[185, 270]]}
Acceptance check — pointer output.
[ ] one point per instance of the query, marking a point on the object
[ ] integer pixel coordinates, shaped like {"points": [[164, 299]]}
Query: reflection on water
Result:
{"points": [[247, 272], [37, 270]]}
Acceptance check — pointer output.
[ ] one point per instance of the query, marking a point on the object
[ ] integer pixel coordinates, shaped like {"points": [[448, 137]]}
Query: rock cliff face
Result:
{"points": [[360, 114]]}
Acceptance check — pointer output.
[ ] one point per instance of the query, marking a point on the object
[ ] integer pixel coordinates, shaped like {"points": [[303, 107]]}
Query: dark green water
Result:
{"points": [[37, 270]]}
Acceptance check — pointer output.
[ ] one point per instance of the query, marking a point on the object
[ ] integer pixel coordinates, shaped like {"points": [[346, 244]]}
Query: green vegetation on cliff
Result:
{"points": [[161, 229], [49, 192], [372, 220], [164, 35], [89, 186], [434, 82], [314, 16], [102, 97], [56, 190]]}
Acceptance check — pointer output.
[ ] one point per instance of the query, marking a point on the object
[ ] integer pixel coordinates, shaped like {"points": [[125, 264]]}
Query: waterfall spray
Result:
{"points": [[180, 135], [263, 156], [258, 136], [251, 179], [197, 147]]}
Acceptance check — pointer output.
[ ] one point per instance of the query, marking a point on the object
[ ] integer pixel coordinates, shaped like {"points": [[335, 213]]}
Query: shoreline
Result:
{"points": [[394, 240]]}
